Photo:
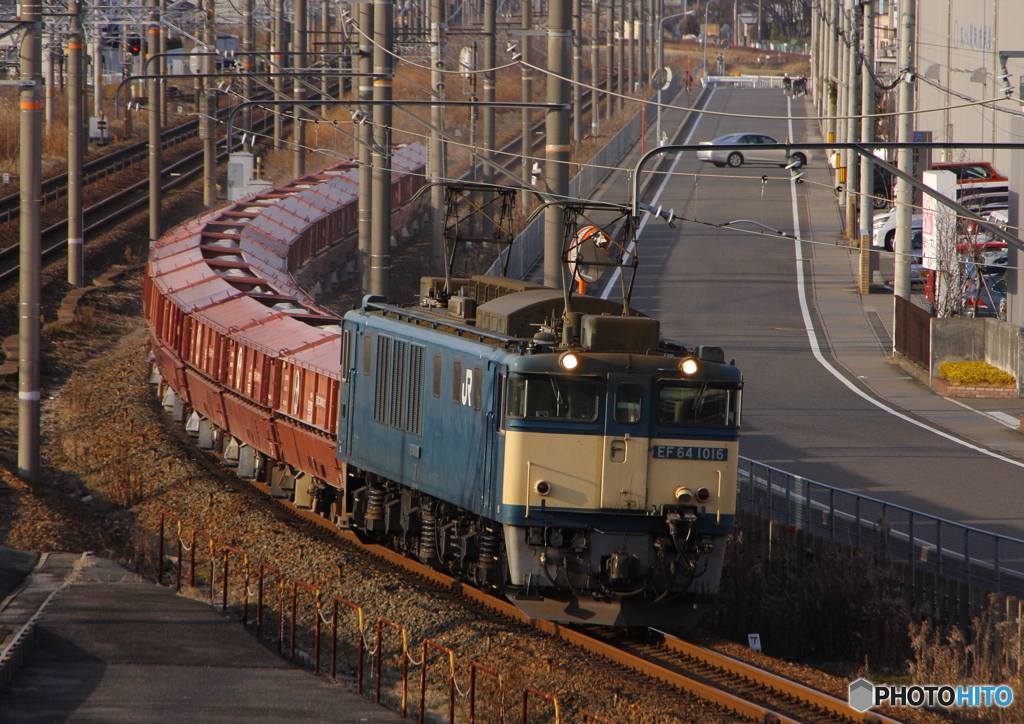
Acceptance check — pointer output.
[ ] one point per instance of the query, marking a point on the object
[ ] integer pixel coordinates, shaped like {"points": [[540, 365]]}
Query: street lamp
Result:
{"points": [[704, 35], [661, 62]]}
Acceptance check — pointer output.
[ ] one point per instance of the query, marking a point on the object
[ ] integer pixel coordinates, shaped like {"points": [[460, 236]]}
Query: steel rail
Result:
{"points": [[506, 150], [123, 211], [728, 701], [55, 187]]}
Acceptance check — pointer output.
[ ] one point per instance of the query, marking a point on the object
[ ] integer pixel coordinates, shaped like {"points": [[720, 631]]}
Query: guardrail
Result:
{"points": [[175, 541], [943, 547], [742, 81]]}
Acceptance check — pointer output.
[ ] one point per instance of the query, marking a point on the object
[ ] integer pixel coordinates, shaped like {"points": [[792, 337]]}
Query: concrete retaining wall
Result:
{"points": [[963, 339]]}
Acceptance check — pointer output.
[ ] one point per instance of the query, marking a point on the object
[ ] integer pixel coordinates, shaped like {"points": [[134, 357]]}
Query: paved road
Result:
{"points": [[740, 291]]}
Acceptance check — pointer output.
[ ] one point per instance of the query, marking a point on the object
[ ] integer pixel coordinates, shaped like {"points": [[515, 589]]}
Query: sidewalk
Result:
{"points": [[858, 330], [111, 648]]}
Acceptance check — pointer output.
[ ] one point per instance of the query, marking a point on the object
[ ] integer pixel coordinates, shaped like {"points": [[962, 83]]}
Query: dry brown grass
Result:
{"points": [[992, 654]]}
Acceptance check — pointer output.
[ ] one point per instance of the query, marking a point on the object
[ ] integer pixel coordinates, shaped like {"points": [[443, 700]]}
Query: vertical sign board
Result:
{"points": [[937, 219], [1015, 279], [921, 161]]}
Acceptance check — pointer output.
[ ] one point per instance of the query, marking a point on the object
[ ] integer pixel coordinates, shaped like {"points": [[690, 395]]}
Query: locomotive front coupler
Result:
{"points": [[682, 524]]}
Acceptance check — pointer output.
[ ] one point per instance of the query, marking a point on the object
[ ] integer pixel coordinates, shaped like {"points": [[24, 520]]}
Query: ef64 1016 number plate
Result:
{"points": [[675, 452]]}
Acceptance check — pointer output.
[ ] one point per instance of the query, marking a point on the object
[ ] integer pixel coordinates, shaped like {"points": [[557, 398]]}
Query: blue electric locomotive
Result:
{"points": [[575, 461]]}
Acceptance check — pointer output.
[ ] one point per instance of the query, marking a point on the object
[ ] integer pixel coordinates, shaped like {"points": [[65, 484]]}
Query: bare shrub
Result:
{"points": [[813, 602], [993, 655], [123, 482]]}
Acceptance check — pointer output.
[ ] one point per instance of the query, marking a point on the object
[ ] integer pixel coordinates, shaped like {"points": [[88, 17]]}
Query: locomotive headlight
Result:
{"points": [[569, 361], [703, 494], [543, 487], [689, 366], [683, 494]]}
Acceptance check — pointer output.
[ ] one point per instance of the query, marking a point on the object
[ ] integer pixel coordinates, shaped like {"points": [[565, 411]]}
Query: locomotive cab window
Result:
{"points": [[549, 397], [698, 405], [629, 401]]}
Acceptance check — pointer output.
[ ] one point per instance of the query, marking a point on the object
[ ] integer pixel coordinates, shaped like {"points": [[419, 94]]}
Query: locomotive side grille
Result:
{"points": [[381, 386], [415, 402], [396, 398]]}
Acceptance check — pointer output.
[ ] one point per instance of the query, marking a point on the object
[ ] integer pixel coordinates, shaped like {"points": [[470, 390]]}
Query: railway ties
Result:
{"points": [[744, 689]]}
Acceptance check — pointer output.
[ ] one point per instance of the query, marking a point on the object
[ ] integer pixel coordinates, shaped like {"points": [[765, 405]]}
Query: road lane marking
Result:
{"points": [[617, 274], [812, 335]]}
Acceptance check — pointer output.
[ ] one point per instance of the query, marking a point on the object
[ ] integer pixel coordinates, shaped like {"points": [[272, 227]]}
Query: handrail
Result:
{"points": [[228, 550], [427, 645], [381, 623], [527, 691], [360, 626], [259, 603], [296, 585], [475, 666], [263, 568]]}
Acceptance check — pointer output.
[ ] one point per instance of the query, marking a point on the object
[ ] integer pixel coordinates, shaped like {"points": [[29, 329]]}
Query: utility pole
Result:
{"points": [[383, 43], [831, 100], [97, 74], [365, 131], [278, 41], [527, 92], [49, 92], [161, 65], [904, 192], [438, 159], [609, 41], [815, 60], [557, 138], [490, 82], [631, 29], [577, 72], [842, 98], [852, 125], [299, 47], [207, 113], [248, 61], [867, 135], [325, 66], [153, 111], [620, 55], [76, 146], [30, 227], [595, 66]]}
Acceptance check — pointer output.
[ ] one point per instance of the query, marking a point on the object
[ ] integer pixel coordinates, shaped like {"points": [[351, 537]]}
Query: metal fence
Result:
{"points": [[913, 333], [742, 81], [529, 245], [953, 550]]}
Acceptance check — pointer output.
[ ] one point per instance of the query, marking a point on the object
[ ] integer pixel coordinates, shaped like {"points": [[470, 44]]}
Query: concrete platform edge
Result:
{"points": [[17, 649]]}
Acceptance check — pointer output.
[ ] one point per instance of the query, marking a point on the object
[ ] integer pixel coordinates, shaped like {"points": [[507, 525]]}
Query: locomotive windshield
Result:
{"points": [[700, 405], [550, 397]]}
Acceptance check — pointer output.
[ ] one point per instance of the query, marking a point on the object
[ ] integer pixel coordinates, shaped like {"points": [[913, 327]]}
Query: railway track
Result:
{"points": [[56, 187], [732, 690], [117, 207]]}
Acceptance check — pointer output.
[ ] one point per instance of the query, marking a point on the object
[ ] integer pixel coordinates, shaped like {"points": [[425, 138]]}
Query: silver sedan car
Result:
{"points": [[754, 151]]}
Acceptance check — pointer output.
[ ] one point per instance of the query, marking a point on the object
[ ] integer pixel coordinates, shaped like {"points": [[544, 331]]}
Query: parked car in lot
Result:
{"points": [[987, 299], [884, 233], [754, 151]]}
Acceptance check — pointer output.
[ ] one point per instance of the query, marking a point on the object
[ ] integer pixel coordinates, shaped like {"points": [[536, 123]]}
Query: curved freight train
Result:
{"points": [[574, 461]]}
